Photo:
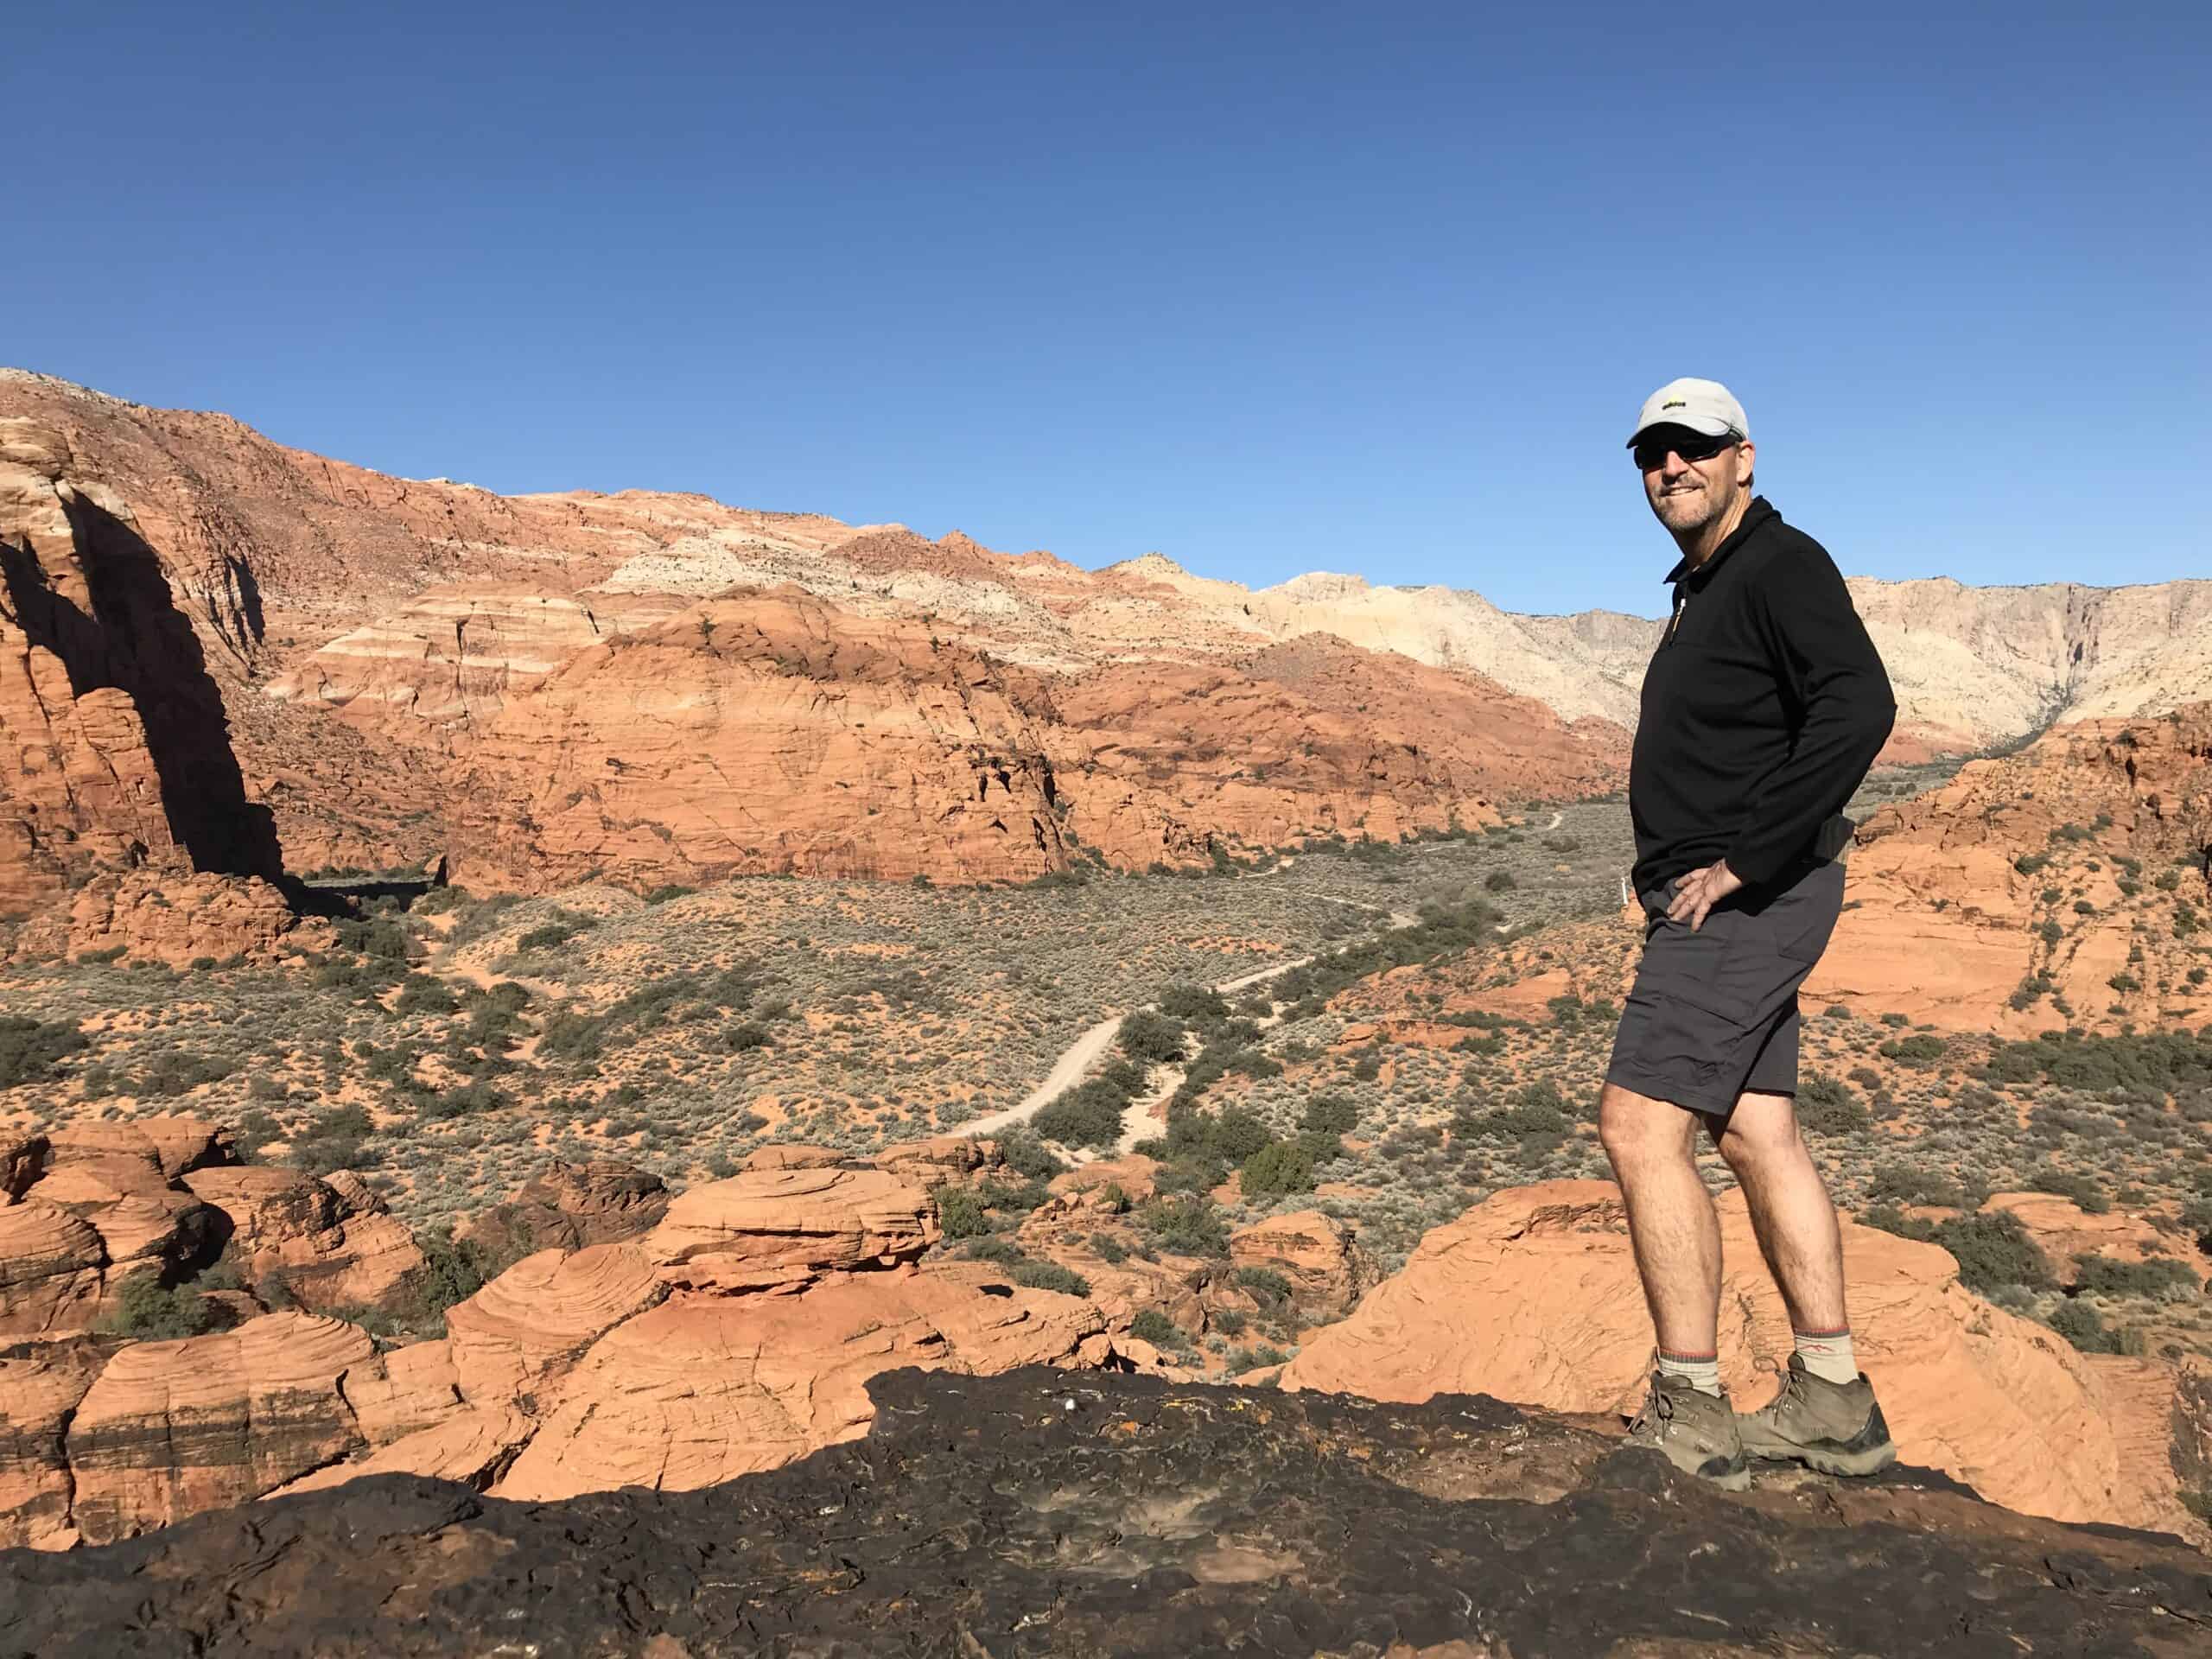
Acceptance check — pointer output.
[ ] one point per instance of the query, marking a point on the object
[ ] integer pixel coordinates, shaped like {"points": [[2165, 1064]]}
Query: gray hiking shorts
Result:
{"points": [[1713, 1014]]}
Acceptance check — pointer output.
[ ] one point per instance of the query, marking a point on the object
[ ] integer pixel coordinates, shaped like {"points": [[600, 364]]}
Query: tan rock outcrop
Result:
{"points": [[52, 1271], [122, 756], [704, 1388], [332, 1251], [170, 1428], [1319, 1256], [568, 1205], [1532, 1296], [532, 1322], [777, 1228], [38, 1397]]}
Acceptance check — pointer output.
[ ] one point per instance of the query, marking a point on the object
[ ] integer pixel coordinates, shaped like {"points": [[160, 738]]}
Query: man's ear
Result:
{"points": [[1747, 454]]}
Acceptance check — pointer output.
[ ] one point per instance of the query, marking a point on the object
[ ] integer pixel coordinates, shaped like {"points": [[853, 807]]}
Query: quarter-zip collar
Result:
{"points": [[1755, 515]]}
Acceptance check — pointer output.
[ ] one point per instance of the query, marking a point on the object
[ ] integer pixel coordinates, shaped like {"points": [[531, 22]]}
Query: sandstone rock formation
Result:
{"points": [[1949, 888], [122, 756], [566, 1206], [1126, 1515], [332, 1249], [1327, 1270], [779, 1228], [739, 1333], [1533, 1296]]}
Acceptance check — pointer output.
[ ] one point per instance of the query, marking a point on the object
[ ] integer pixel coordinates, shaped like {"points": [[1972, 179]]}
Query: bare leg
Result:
{"points": [[1670, 1220], [1791, 1212]]}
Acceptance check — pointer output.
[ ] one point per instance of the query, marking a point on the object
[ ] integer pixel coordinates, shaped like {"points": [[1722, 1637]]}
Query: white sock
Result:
{"points": [[1827, 1355], [1703, 1370]]}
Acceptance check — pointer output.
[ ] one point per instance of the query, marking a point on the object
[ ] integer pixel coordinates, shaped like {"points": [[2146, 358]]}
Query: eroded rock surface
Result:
{"points": [[1033, 1512], [1532, 1295]]}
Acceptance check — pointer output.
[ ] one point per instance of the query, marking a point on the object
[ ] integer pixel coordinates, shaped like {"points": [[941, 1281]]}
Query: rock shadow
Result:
{"points": [[135, 640]]}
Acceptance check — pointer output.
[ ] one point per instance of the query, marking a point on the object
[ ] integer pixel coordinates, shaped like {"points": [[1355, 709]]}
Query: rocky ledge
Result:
{"points": [[1040, 1511]]}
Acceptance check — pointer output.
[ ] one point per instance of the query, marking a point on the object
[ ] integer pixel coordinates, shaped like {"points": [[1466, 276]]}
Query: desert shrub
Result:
{"points": [[1230, 1321], [1500, 881], [667, 890], [743, 1036], [2157, 1276], [333, 1141], [2070, 1184], [1089, 1115], [178, 1072], [1187, 1223], [453, 1271], [29, 1048], [424, 993], [1110, 1248], [2081, 1325], [1994, 1250], [1150, 1039], [1264, 1285], [1827, 1106], [1156, 1328], [1198, 1004], [149, 1311], [1280, 1167], [1051, 1275], [960, 1213], [1329, 1114], [1241, 1360], [1904, 1183], [1027, 1155], [1919, 1050], [1368, 1067], [1001, 1252]]}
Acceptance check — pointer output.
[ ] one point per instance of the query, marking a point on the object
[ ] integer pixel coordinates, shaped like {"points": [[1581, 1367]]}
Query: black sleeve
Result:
{"points": [[1840, 684]]}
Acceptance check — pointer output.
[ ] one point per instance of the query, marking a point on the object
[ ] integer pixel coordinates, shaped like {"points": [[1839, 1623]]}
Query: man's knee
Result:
{"points": [[1761, 1133], [1636, 1129]]}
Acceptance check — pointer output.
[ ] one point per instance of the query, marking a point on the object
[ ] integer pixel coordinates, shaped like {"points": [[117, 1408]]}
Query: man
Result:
{"points": [[1763, 706]]}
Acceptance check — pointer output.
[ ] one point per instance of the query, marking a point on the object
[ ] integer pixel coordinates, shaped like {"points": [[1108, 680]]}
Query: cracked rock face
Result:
{"points": [[1035, 1512]]}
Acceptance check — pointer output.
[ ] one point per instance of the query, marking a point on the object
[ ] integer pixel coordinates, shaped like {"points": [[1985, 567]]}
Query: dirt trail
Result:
{"points": [[1138, 1122]]}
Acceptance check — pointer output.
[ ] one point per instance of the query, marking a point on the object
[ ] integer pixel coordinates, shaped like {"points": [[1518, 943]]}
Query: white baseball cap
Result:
{"points": [[1704, 406]]}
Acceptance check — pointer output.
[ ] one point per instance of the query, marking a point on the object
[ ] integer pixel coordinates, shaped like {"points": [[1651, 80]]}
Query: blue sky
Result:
{"points": [[1267, 289]]}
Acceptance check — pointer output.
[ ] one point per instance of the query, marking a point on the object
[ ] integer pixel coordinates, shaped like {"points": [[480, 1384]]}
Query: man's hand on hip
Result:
{"points": [[1701, 890]]}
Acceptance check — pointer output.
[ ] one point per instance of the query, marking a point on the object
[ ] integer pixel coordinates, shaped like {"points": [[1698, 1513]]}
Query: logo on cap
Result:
{"points": [[1675, 402]]}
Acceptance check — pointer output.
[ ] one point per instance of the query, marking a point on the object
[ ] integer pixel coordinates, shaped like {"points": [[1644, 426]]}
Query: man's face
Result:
{"points": [[1686, 495]]}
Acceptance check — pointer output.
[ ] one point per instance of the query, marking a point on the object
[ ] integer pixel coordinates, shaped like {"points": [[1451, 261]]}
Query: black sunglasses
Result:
{"points": [[1651, 453]]}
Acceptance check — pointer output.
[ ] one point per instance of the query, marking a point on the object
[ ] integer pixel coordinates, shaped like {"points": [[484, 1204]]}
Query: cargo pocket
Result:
{"points": [[1805, 917]]}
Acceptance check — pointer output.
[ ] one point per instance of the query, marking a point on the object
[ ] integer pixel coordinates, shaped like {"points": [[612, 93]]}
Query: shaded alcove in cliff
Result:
{"points": [[135, 640]]}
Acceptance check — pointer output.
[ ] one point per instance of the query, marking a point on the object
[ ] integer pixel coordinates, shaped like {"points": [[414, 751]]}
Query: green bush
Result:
{"points": [[1994, 1250], [1156, 1328], [1920, 1050], [424, 994], [1050, 1275], [1110, 1248], [29, 1048], [1280, 1167], [1264, 1285], [2070, 1184], [960, 1213], [1187, 1223], [1329, 1114], [1827, 1106], [2157, 1276], [1150, 1038], [1500, 881], [2081, 1325], [1087, 1116], [149, 1311]]}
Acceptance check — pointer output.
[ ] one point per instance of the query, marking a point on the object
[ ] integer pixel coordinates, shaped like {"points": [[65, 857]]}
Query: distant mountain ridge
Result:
{"points": [[409, 663]]}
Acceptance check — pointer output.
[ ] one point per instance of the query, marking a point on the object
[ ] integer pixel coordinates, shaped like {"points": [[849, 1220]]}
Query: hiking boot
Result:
{"points": [[1835, 1428], [1696, 1431]]}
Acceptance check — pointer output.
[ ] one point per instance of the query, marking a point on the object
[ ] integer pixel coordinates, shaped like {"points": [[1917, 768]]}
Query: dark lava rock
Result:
{"points": [[991, 1517]]}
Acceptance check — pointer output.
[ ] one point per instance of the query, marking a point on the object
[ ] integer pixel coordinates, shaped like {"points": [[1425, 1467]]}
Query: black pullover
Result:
{"points": [[1763, 706]]}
